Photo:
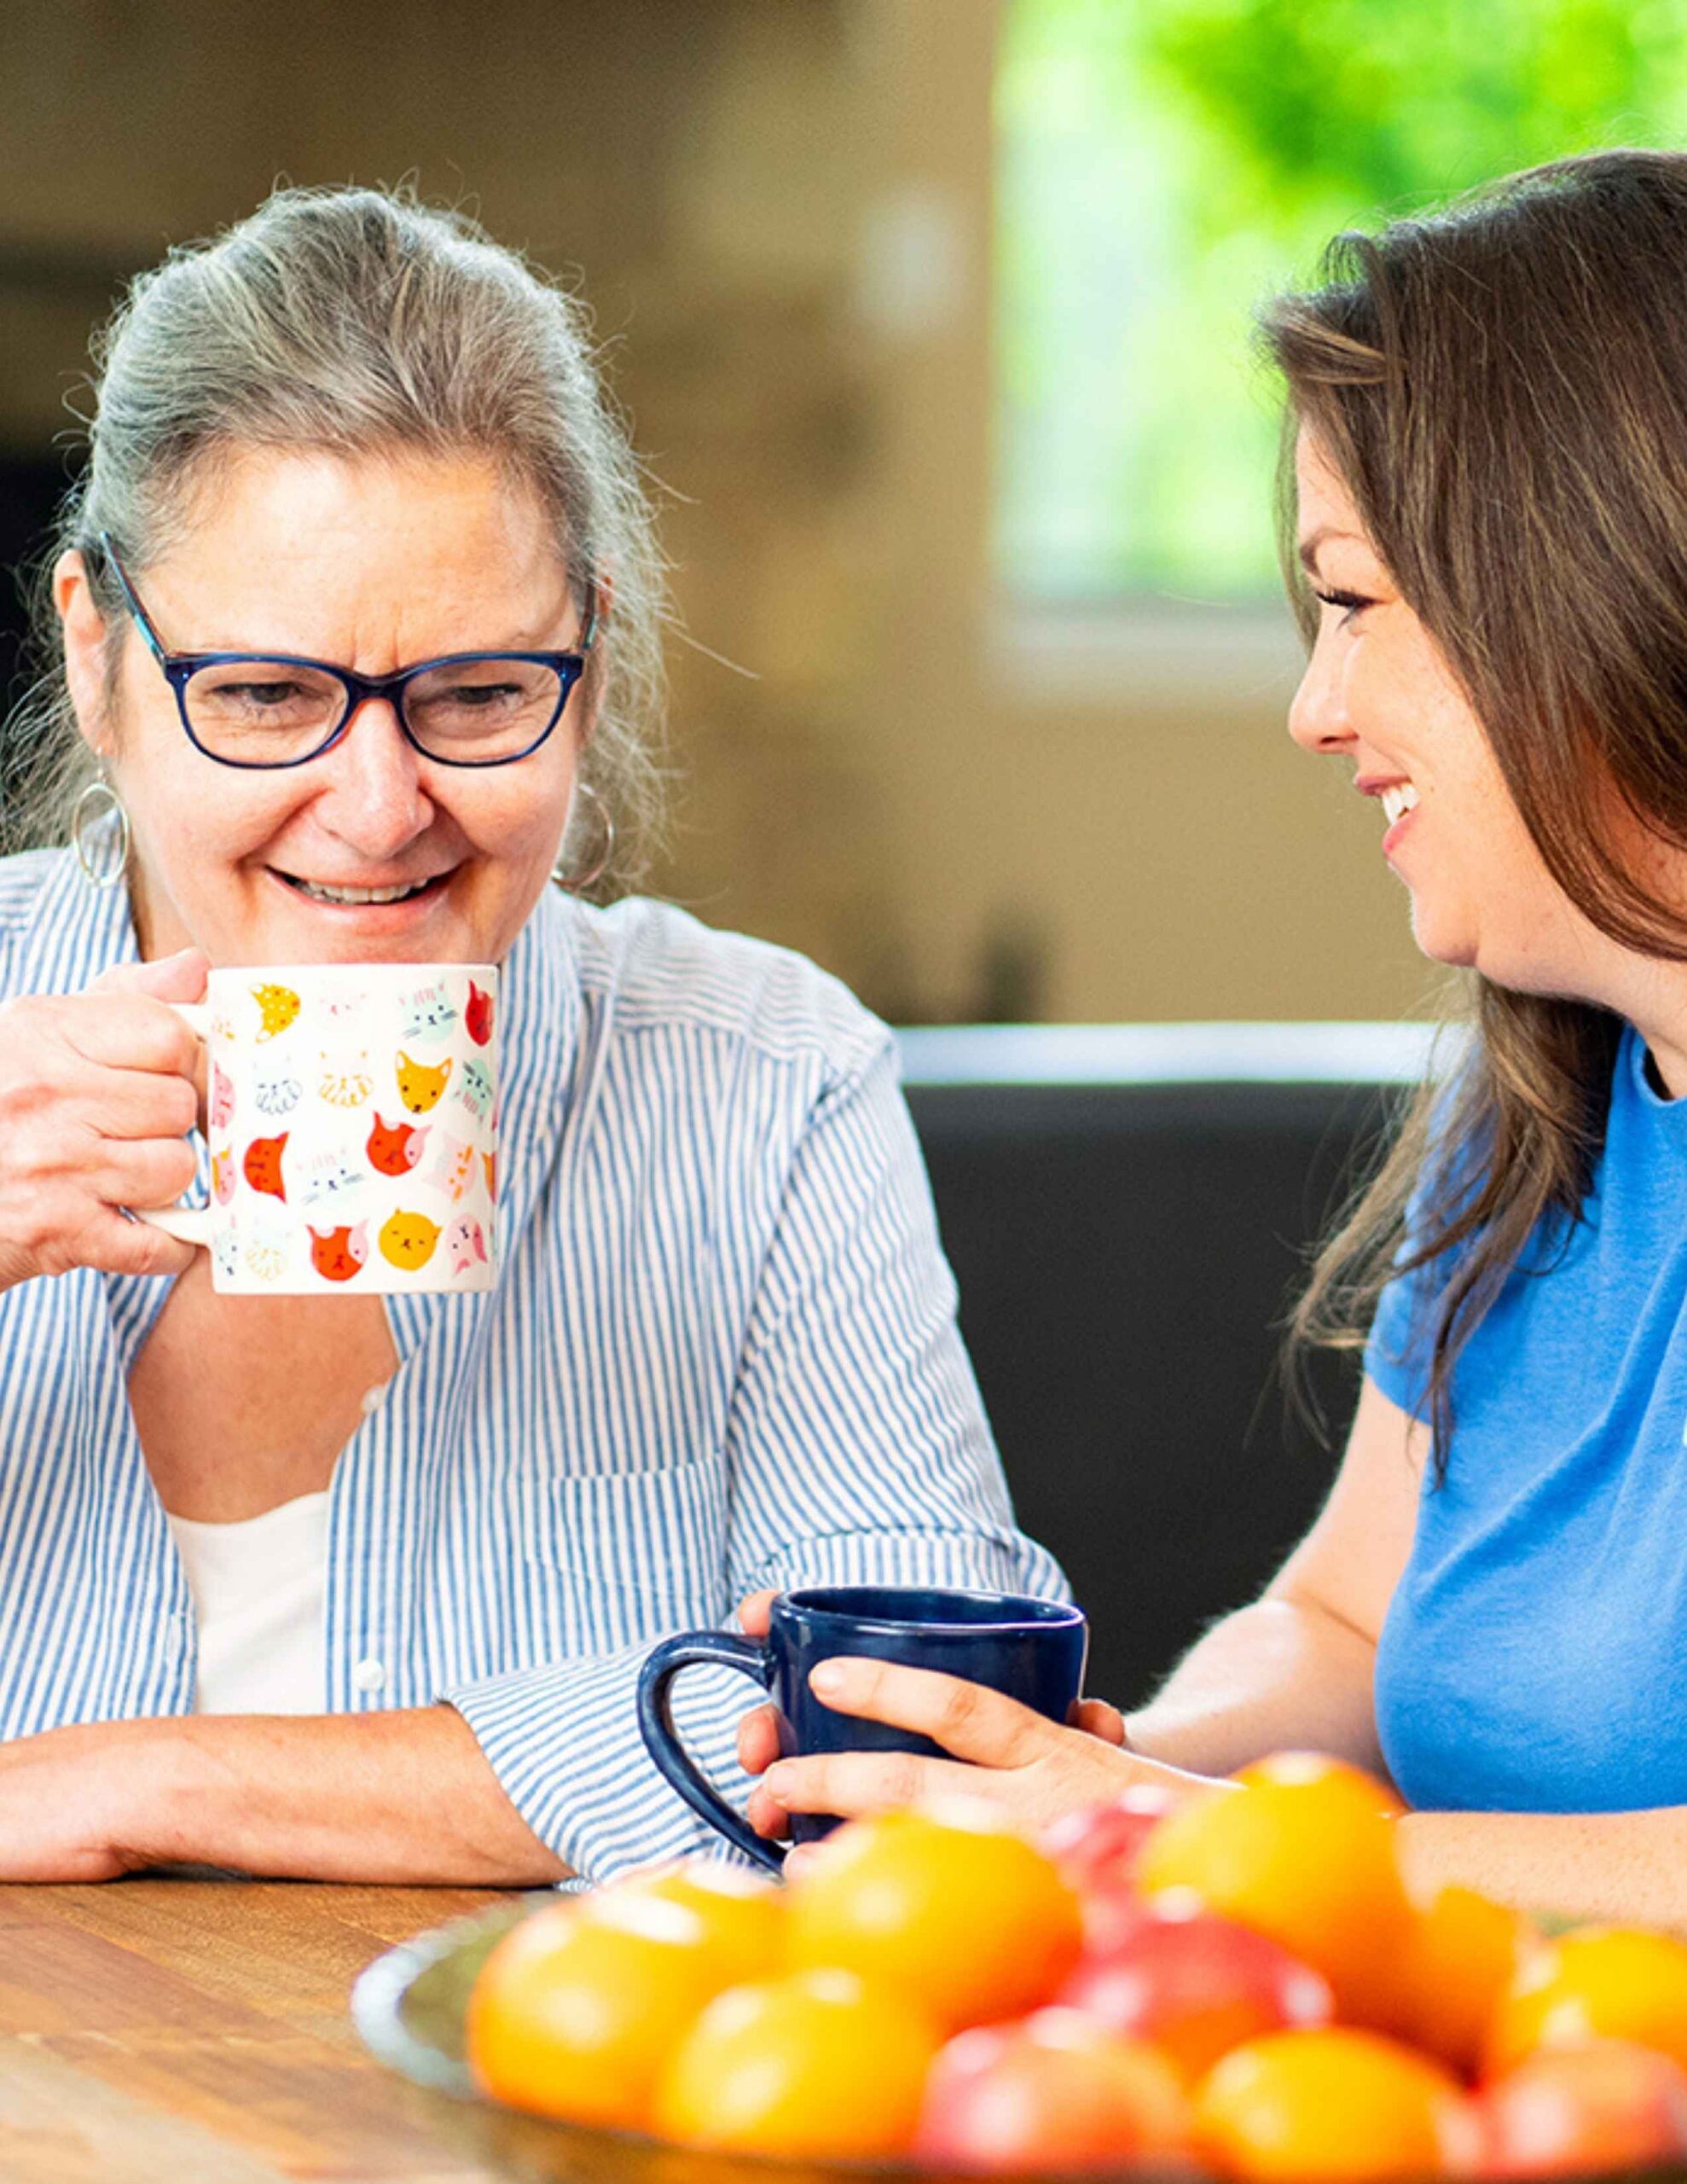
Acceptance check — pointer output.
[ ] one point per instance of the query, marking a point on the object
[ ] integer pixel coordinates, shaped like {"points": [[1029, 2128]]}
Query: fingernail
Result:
{"points": [[774, 1781], [828, 1677]]}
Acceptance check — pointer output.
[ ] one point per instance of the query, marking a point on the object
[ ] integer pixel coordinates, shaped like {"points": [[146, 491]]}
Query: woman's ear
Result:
{"points": [[84, 628], [600, 606]]}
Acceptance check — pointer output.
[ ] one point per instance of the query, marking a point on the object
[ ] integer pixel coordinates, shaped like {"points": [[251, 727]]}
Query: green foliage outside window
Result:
{"points": [[1163, 164]]}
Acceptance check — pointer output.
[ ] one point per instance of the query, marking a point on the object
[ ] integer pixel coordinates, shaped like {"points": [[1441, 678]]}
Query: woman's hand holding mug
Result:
{"points": [[98, 1091], [873, 1686], [351, 1119]]}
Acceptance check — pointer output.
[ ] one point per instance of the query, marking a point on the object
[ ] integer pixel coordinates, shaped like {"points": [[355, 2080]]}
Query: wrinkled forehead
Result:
{"points": [[309, 551]]}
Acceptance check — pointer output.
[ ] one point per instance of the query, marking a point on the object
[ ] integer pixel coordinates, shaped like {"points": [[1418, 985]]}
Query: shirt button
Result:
{"points": [[369, 1675], [372, 1399]]}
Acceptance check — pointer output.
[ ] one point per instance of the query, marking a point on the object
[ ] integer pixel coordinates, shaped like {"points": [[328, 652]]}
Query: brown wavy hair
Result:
{"points": [[1503, 387]]}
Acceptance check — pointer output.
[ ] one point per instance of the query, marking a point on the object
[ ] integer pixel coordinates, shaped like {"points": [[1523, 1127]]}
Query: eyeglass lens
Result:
{"points": [[270, 712]]}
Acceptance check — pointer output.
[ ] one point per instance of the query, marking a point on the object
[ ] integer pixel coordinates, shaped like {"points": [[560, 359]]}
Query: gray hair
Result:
{"points": [[358, 322]]}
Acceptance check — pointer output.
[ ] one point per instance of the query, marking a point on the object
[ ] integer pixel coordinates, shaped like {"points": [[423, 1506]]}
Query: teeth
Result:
{"points": [[1397, 802], [322, 894]]}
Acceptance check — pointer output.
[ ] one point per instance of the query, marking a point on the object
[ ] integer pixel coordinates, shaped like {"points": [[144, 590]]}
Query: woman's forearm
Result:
{"points": [[1630, 1868], [1279, 1675], [403, 1796]]}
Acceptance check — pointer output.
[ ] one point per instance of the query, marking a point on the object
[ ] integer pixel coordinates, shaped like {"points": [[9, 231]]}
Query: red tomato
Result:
{"points": [[1611, 2105], [1054, 2091], [1196, 1986], [1097, 1846]]}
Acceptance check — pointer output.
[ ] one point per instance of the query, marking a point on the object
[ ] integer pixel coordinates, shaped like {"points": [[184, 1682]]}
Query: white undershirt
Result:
{"points": [[259, 1588]]}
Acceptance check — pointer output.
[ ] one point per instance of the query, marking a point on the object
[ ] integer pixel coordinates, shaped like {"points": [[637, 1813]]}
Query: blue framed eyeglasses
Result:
{"points": [[267, 709]]}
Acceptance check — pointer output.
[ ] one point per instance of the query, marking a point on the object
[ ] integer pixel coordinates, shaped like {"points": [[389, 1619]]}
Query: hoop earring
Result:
{"points": [[579, 882], [98, 803]]}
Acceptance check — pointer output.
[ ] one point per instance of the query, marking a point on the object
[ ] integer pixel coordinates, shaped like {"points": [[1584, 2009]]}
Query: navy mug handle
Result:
{"points": [[656, 1724]]}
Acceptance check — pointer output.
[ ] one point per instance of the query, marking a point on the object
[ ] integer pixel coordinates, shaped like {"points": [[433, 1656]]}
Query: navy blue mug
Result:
{"points": [[1032, 1650]]}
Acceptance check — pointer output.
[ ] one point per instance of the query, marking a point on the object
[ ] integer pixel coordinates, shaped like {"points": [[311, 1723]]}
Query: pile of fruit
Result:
{"points": [[1243, 1983]]}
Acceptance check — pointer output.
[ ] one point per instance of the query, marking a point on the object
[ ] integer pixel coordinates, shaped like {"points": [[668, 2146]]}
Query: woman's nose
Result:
{"points": [[372, 796], [1317, 715]]}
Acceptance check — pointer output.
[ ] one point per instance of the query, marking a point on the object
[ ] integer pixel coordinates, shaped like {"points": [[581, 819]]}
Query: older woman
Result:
{"points": [[354, 1587], [1489, 410]]}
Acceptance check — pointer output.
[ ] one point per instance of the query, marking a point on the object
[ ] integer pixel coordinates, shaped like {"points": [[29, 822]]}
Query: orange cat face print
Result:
{"points": [[351, 1119]]}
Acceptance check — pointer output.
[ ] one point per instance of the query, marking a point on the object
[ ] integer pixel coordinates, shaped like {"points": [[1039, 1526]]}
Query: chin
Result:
{"points": [[1443, 938]]}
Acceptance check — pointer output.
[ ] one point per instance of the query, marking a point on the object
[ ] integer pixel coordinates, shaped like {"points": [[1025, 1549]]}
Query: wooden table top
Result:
{"points": [[164, 2031]]}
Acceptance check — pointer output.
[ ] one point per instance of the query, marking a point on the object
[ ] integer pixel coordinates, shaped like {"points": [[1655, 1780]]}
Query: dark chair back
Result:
{"points": [[1128, 1212]]}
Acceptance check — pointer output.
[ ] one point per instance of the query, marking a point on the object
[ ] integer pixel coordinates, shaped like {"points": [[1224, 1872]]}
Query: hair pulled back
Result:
{"points": [[356, 322]]}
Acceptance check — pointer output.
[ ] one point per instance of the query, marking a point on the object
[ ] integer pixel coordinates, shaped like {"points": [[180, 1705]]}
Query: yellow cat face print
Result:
{"points": [[421, 1087], [406, 1239], [277, 1006]]}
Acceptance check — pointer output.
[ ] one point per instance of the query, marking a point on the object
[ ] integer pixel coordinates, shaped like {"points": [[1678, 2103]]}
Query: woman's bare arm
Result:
{"points": [[1296, 1667], [404, 1797]]}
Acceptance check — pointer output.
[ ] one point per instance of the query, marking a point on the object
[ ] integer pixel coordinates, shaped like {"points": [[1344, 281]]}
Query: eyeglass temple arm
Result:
{"points": [[131, 599]]}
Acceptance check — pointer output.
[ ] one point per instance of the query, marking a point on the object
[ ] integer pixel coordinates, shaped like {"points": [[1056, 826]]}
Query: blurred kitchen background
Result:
{"points": [[932, 317]]}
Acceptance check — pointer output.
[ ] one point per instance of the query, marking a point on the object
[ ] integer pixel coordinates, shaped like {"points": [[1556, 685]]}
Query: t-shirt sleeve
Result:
{"points": [[1397, 1350]]}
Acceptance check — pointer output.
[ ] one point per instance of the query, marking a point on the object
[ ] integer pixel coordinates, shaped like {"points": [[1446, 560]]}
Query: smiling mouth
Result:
{"points": [[317, 891]]}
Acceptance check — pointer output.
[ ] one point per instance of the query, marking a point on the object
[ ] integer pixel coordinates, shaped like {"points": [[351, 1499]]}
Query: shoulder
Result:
{"points": [[30, 884], [658, 969], [23, 880]]}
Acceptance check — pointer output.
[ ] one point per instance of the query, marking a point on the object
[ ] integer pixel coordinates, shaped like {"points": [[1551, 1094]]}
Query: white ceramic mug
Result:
{"points": [[351, 1115]]}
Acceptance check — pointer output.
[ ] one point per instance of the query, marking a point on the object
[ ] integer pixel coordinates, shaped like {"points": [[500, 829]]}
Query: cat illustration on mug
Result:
{"points": [[339, 1253], [263, 1166], [406, 1239], [467, 1242], [428, 1013], [420, 1087], [394, 1148]]}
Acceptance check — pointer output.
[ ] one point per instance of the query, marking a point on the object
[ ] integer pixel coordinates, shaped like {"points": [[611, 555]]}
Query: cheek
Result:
{"points": [[515, 816]]}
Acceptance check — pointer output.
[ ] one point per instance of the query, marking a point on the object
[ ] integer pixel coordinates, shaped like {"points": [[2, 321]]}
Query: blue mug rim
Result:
{"points": [[1022, 1611]]}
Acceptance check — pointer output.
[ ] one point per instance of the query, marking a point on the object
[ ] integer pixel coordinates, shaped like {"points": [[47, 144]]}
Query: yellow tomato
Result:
{"points": [[1302, 1850], [1460, 1956], [573, 2014], [961, 1915], [742, 1915], [817, 2065], [1335, 2103], [1612, 1983]]}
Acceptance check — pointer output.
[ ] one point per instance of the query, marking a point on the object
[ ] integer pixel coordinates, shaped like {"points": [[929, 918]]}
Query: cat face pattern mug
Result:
{"points": [[351, 1117]]}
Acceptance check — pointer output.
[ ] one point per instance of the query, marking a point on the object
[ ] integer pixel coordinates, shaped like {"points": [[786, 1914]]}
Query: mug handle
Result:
{"points": [[188, 1224], [656, 1724]]}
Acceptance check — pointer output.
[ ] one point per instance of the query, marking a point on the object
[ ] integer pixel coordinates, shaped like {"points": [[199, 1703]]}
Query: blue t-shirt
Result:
{"points": [[1534, 1657]]}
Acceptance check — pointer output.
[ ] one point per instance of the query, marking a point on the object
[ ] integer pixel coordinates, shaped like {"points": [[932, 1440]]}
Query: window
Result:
{"points": [[1163, 164]]}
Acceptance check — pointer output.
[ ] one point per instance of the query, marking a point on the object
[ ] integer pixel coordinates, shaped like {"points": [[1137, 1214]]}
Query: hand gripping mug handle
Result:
{"points": [[656, 1724], [189, 1224]]}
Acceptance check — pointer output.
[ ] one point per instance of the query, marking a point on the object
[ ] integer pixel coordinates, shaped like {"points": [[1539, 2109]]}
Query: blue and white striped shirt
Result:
{"points": [[722, 1355]]}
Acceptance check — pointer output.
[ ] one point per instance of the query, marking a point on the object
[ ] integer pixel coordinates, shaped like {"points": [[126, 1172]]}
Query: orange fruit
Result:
{"points": [[1460, 1956], [574, 2014], [1303, 1850], [955, 1911], [1336, 2102], [1613, 1982], [742, 1915], [818, 2064]]}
